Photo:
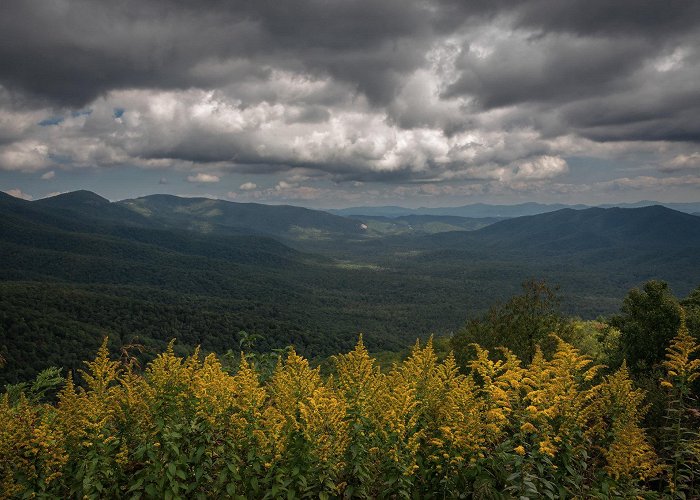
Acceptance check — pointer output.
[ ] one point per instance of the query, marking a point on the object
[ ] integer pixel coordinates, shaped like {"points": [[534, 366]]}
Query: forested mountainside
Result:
{"points": [[207, 215], [76, 267]]}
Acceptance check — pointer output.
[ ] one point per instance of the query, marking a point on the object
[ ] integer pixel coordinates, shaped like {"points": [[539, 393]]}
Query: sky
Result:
{"points": [[336, 103]]}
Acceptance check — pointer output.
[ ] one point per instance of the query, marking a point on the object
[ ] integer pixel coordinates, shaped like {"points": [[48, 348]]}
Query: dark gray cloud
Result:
{"points": [[550, 69], [70, 52], [653, 19]]}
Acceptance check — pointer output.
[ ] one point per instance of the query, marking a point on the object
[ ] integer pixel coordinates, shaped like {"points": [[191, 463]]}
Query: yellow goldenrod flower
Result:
{"points": [[528, 427]]}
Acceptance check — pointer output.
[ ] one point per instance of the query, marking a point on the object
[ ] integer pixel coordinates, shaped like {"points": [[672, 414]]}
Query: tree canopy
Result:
{"points": [[648, 320], [520, 324]]}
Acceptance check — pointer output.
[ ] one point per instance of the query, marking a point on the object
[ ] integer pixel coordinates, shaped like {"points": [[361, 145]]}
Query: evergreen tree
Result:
{"points": [[649, 318]]}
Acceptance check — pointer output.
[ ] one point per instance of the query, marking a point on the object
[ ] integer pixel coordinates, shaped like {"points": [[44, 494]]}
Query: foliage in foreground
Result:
{"points": [[185, 428]]}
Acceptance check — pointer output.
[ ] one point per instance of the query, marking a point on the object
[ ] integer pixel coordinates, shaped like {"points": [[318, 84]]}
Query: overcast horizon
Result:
{"points": [[356, 102]]}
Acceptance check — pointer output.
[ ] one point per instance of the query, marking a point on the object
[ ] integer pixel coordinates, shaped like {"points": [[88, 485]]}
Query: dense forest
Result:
{"points": [[76, 268]]}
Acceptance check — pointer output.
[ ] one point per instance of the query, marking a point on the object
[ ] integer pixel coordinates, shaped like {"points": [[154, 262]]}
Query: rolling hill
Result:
{"points": [[614, 247], [91, 207], [569, 230], [208, 215]]}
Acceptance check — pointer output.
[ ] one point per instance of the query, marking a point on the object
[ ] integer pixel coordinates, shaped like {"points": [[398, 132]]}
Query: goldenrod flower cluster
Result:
{"points": [[186, 428]]}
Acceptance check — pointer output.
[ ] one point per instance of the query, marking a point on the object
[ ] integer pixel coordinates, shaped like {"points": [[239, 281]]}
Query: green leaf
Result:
{"points": [[530, 485], [136, 486]]}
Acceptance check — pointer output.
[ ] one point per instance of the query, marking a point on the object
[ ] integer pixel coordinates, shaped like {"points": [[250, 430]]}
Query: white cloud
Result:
{"points": [[195, 128], [646, 182], [670, 62], [28, 156], [194, 131], [543, 167], [203, 178], [17, 193], [291, 192], [48, 175], [682, 162]]}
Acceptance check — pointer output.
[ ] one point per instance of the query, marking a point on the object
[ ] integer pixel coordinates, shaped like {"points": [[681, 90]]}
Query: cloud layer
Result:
{"points": [[471, 96]]}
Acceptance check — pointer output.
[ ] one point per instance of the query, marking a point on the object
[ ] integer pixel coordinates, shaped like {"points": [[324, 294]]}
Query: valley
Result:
{"points": [[76, 267]]}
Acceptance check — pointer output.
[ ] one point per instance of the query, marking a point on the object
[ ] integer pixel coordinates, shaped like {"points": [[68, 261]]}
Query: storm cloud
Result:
{"points": [[462, 97]]}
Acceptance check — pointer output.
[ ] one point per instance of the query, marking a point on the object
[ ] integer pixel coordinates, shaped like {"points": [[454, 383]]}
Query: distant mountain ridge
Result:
{"points": [[650, 227], [203, 215], [206, 215], [608, 246], [681, 207], [570, 230], [92, 207], [85, 224], [480, 210]]}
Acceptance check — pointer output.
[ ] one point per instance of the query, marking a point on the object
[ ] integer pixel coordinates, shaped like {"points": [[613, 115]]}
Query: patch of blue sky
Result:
{"points": [[61, 159], [586, 170], [51, 121]]}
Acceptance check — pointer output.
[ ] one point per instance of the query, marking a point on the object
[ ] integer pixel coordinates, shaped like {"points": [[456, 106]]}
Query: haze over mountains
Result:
{"points": [[488, 210], [76, 267]]}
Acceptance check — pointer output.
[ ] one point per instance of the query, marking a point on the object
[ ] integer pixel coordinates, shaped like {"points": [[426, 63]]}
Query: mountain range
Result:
{"points": [[487, 210], [569, 230], [76, 267]]}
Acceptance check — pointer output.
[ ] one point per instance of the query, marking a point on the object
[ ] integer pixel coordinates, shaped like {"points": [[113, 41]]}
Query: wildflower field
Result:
{"points": [[186, 428]]}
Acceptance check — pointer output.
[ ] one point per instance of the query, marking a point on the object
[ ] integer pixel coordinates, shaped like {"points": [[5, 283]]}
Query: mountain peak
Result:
{"points": [[73, 199]]}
